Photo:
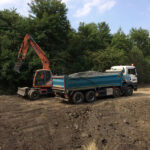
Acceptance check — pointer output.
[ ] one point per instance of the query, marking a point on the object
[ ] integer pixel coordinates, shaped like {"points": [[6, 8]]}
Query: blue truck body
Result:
{"points": [[66, 83]]}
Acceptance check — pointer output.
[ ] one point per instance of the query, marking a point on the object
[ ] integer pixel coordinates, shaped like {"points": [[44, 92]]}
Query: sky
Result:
{"points": [[123, 14]]}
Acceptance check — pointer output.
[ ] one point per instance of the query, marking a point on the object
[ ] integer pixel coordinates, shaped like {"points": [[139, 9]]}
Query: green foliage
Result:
{"points": [[146, 70], [140, 38], [103, 60], [137, 58], [11, 30], [50, 29], [51, 25], [94, 36], [121, 41], [92, 47]]}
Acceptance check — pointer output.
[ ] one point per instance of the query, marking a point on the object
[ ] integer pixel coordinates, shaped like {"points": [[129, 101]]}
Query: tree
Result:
{"points": [[51, 25], [104, 35], [94, 36], [140, 38], [121, 41], [51, 28], [12, 26], [103, 60], [137, 58]]}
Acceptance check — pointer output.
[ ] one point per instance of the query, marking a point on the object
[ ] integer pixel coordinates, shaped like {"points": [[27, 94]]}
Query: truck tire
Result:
{"points": [[77, 98], [116, 92], [90, 96], [129, 91], [34, 94]]}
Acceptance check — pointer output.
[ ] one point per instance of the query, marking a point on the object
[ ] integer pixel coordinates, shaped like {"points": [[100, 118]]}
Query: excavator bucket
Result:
{"points": [[17, 66]]}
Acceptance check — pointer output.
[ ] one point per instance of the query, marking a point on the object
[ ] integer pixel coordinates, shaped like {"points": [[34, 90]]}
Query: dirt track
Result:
{"points": [[51, 124]]}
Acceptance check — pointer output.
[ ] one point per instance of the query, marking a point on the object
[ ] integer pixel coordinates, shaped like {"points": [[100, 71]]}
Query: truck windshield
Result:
{"points": [[132, 71]]}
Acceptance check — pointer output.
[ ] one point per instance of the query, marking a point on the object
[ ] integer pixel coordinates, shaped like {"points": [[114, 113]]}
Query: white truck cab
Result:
{"points": [[129, 73]]}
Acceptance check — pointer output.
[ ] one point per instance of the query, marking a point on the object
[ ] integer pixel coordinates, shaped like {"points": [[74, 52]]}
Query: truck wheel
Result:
{"points": [[116, 92], [34, 94], [129, 91], [90, 96], [77, 98]]}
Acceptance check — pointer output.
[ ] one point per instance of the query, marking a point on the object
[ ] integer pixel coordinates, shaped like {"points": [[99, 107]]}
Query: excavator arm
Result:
{"points": [[28, 41]]}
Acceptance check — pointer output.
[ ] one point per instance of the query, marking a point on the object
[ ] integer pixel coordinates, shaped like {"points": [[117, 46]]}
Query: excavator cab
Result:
{"points": [[42, 77]]}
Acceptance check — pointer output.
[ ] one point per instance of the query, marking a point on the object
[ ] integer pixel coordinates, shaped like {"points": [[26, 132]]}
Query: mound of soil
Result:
{"points": [[53, 124]]}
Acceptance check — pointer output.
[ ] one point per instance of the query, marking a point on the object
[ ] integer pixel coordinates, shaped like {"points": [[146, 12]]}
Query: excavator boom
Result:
{"points": [[28, 41]]}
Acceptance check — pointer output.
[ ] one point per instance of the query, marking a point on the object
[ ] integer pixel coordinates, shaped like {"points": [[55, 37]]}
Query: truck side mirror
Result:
{"points": [[123, 71]]}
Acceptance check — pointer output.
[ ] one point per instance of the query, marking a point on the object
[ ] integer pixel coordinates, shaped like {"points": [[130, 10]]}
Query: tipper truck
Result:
{"points": [[85, 86]]}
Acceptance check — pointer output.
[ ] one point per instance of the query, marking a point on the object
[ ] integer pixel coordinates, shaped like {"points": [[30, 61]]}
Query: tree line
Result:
{"points": [[91, 47]]}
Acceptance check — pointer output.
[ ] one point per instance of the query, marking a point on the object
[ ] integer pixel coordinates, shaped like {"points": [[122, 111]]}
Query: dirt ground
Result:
{"points": [[52, 124]]}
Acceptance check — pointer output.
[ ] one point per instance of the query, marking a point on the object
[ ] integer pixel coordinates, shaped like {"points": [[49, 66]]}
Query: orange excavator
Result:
{"points": [[42, 81]]}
